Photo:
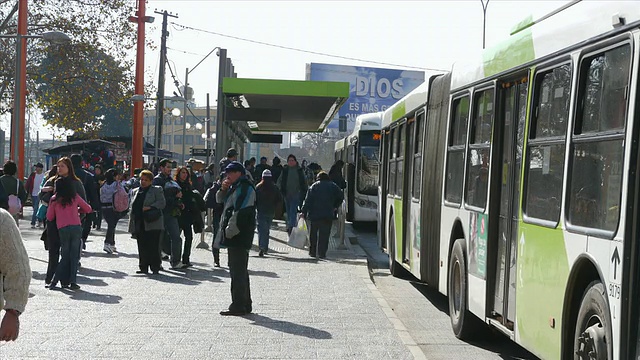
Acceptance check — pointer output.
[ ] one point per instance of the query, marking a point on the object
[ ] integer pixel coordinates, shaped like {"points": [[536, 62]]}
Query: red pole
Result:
{"points": [[138, 114], [17, 143]]}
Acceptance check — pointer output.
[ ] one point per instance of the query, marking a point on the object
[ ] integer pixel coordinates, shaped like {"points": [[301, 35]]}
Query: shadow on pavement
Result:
{"points": [[105, 255], [82, 295], [491, 340], [294, 260], [289, 327], [262, 273], [90, 281], [99, 273]]}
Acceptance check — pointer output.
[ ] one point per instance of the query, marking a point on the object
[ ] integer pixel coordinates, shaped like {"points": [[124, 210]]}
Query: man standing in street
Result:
{"points": [[91, 190], [15, 277], [171, 242], [293, 187], [236, 233], [33, 188], [232, 155]]}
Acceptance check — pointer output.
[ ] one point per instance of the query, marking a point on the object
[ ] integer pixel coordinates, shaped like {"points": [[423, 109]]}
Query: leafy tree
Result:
{"points": [[100, 55], [83, 89]]}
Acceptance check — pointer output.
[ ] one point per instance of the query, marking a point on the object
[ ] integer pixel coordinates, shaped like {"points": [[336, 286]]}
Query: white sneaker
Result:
{"points": [[178, 266], [33, 226], [107, 249]]}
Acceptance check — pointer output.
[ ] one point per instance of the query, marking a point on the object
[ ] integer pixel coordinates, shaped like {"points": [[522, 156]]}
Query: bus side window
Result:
{"points": [[479, 149], [598, 140], [417, 156], [391, 180], [546, 148], [455, 150], [400, 159]]}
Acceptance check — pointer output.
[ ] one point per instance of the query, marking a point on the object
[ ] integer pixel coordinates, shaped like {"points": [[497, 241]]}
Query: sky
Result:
{"points": [[415, 35]]}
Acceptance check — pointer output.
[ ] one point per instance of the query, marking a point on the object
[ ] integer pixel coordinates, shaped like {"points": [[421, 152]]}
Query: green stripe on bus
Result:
{"points": [[518, 50], [398, 111]]}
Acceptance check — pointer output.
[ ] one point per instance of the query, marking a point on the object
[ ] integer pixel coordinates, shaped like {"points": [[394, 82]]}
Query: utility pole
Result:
{"points": [[161, 81], [485, 4], [184, 118], [208, 131], [138, 111], [220, 131]]}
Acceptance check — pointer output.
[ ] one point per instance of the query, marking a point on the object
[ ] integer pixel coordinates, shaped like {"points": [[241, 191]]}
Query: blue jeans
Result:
{"points": [[35, 202], [172, 234], [291, 203], [70, 240], [264, 223]]}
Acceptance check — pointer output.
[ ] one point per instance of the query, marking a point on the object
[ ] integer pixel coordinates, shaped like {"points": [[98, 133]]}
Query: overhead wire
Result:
{"points": [[185, 27]]}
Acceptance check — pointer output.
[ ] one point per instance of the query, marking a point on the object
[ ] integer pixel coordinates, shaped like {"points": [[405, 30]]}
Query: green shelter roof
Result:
{"points": [[283, 105]]}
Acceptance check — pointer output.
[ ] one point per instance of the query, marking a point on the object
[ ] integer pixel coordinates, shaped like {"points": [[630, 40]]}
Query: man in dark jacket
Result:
{"points": [[232, 155], [236, 233], [319, 208], [171, 242], [260, 168], [293, 186], [90, 189]]}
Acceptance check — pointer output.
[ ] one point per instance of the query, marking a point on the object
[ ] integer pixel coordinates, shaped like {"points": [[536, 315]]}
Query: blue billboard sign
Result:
{"points": [[371, 89]]}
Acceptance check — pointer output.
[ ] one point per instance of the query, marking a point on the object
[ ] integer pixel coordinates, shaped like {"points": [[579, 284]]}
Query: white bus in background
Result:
{"points": [[360, 151]]}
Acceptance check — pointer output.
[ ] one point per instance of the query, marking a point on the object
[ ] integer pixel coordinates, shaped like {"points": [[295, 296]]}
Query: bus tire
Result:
{"points": [[463, 322], [592, 336], [394, 268]]}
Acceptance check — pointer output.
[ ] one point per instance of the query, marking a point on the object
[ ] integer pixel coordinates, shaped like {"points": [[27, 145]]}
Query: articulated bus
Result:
{"points": [[360, 151], [511, 185]]}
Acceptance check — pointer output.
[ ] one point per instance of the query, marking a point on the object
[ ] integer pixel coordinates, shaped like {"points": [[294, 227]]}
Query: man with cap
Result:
{"points": [[232, 155], [261, 167], [237, 227], [34, 182]]}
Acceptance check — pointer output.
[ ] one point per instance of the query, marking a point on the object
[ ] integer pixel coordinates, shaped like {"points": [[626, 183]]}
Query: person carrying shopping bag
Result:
{"points": [[323, 198]]}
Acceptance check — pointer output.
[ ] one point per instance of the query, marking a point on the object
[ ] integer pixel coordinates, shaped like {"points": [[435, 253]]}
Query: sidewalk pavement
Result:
{"points": [[303, 308]]}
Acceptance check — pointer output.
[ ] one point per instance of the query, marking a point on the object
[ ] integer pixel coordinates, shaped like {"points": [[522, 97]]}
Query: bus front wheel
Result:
{"points": [[464, 323], [592, 338]]}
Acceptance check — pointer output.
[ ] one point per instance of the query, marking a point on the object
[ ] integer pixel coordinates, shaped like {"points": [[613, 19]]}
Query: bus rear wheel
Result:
{"points": [[463, 323], [592, 338]]}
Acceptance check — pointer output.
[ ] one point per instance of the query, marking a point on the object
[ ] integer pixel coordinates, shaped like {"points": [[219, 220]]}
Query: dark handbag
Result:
{"points": [[152, 214]]}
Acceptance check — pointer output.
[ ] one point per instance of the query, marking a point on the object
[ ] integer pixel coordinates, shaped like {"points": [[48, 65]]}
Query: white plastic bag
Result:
{"points": [[299, 235]]}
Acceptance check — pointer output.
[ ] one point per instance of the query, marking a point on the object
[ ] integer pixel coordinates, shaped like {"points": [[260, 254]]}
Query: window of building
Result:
{"points": [[177, 139], [166, 140], [546, 149], [200, 140], [189, 140]]}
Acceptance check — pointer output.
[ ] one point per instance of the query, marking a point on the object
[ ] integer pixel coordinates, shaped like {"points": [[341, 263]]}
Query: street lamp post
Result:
{"points": [[20, 92], [184, 123]]}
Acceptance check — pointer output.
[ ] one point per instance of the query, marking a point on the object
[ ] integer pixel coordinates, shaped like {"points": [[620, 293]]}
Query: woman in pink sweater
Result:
{"points": [[63, 207]]}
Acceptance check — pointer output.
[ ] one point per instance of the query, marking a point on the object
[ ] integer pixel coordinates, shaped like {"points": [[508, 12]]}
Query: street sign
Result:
{"points": [[200, 152]]}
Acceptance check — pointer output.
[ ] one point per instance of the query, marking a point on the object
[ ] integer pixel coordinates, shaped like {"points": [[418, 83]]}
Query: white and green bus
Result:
{"points": [[510, 184], [360, 153]]}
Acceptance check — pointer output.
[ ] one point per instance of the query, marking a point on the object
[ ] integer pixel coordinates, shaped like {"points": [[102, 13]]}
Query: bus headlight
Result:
{"points": [[366, 203]]}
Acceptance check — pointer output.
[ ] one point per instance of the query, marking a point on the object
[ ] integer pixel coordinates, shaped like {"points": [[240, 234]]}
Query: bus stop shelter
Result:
{"points": [[255, 108]]}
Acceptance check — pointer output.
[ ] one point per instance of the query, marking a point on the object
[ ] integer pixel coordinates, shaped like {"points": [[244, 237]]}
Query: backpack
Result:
{"points": [[120, 199], [15, 205]]}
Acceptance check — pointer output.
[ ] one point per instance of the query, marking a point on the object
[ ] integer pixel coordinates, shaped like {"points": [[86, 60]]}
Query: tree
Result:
{"points": [[83, 89], [97, 28], [320, 146]]}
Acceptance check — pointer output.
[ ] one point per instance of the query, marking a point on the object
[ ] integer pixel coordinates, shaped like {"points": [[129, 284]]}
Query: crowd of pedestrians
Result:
{"points": [[70, 200]]}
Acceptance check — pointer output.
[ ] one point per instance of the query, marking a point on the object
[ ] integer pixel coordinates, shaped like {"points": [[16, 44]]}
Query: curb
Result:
{"points": [[398, 325]]}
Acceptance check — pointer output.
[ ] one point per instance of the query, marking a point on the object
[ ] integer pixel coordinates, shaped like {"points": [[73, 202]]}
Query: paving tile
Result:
{"points": [[303, 309]]}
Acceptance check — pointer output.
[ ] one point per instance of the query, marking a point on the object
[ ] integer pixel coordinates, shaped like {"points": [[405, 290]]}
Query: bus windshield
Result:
{"points": [[368, 149]]}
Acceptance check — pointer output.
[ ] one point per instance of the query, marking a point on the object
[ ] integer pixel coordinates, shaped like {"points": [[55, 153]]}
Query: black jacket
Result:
{"points": [[170, 193], [268, 197], [301, 180], [322, 199], [239, 215]]}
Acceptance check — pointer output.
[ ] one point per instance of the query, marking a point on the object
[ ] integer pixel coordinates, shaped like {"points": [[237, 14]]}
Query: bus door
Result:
{"points": [[511, 119], [409, 143]]}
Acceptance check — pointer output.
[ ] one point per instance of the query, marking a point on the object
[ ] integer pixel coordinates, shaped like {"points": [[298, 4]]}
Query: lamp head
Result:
{"points": [[175, 112], [56, 37]]}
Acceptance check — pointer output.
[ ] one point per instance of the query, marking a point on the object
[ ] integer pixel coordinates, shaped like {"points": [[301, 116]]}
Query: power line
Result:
{"points": [[185, 27]]}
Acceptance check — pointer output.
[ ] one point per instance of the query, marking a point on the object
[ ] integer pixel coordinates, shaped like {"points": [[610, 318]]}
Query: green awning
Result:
{"points": [[283, 105]]}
